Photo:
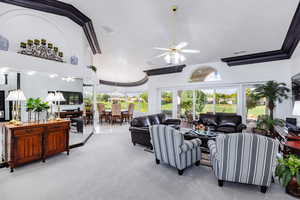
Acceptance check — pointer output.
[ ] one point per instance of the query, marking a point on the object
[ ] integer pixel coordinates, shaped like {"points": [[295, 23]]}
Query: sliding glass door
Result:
{"points": [[226, 100], [204, 101], [254, 107], [192, 103], [184, 104], [167, 102]]}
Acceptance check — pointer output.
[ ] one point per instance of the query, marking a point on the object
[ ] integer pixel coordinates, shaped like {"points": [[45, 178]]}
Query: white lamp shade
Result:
{"points": [[16, 95], [296, 110], [12, 96], [59, 96], [51, 97], [21, 96]]}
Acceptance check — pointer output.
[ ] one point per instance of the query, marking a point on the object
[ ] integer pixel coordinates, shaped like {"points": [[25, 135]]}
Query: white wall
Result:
{"points": [[237, 76], [20, 24]]}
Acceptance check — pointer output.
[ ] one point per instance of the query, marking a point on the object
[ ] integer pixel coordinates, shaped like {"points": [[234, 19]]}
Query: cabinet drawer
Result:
{"points": [[29, 131], [58, 127]]}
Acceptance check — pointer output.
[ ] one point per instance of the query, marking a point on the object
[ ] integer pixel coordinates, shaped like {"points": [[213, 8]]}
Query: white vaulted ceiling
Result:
{"points": [[128, 30]]}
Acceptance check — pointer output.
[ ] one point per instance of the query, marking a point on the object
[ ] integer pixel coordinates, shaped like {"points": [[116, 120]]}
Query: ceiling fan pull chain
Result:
{"points": [[174, 12]]}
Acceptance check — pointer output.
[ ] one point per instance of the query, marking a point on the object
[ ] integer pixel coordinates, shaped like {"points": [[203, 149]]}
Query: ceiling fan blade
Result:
{"points": [[161, 55], [189, 51], [161, 49], [181, 45]]}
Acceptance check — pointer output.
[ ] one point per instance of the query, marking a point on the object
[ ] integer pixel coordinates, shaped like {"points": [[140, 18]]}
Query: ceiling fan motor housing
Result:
{"points": [[174, 8]]}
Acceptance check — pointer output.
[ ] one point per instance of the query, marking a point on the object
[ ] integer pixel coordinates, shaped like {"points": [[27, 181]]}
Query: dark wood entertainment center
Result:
{"points": [[34, 141]]}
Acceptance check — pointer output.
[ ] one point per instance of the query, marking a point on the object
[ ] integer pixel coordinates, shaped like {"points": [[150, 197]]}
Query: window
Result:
{"points": [[204, 101], [204, 74], [105, 99], [184, 103], [254, 107], [192, 103], [140, 101], [167, 103], [226, 100]]}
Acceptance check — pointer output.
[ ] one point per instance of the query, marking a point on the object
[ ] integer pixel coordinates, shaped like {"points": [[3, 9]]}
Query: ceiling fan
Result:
{"points": [[174, 54]]}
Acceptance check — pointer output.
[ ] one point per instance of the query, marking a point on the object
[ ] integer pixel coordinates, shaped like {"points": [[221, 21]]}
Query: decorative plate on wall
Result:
{"points": [[74, 60], [4, 43]]}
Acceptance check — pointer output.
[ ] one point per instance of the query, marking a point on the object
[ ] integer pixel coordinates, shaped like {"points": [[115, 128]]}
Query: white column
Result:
{"points": [[95, 110], [194, 104], [241, 107], [174, 102]]}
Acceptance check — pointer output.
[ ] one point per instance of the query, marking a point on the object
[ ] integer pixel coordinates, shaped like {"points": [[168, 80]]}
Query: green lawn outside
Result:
{"points": [[227, 108]]}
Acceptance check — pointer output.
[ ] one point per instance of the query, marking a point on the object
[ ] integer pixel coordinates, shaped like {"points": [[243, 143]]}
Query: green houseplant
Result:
{"points": [[266, 124], [29, 107], [288, 172], [40, 106], [273, 92], [93, 68], [37, 106]]}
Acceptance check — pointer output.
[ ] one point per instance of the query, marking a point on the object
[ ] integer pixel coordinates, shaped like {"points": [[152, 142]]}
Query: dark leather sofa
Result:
{"points": [[139, 127], [222, 122]]}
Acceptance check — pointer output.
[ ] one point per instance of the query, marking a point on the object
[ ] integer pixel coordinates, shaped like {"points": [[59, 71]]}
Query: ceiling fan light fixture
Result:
{"points": [[168, 58], [182, 58]]}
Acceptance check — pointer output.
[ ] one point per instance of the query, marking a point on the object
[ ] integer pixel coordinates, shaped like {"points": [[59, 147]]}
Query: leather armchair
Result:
{"points": [[139, 127]]}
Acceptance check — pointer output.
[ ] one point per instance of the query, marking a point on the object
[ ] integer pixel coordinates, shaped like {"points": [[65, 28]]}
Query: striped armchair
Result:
{"points": [[244, 158], [171, 148]]}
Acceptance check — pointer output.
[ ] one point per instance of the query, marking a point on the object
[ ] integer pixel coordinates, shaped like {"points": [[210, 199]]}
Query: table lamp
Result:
{"points": [[59, 98], [16, 96], [50, 99]]}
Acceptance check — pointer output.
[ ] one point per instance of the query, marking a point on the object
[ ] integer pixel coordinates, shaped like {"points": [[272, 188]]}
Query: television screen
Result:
{"points": [[72, 98]]}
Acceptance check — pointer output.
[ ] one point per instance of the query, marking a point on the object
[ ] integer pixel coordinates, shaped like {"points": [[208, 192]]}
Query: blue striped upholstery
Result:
{"points": [[171, 148], [244, 158]]}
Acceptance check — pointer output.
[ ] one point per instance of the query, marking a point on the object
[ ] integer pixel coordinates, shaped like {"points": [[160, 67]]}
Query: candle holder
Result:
{"points": [[40, 48]]}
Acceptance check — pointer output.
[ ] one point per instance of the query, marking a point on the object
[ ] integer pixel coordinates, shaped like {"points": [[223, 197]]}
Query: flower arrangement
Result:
{"points": [[200, 127]]}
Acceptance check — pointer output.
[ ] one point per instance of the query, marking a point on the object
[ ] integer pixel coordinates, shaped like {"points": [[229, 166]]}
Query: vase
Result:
{"points": [[29, 116], [293, 188]]}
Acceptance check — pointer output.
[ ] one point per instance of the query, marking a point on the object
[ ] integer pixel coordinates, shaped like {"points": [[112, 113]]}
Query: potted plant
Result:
{"points": [[93, 68], [288, 172], [39, 107], [273, 92], [30, 107], [265, 125]]}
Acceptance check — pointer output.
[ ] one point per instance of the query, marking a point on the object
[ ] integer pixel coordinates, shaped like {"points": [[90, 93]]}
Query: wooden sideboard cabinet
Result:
{"points": [[34, 141]]}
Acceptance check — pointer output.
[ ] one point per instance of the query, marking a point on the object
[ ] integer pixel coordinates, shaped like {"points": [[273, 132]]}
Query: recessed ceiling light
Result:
{"points": [[53, 75], [30, 73], [68, 79], [239, 52], [107, 29]]}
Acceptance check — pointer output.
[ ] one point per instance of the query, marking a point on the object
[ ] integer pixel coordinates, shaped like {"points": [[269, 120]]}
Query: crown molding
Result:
{"points": [[285, 52], [128, 84], [165, 70]]}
